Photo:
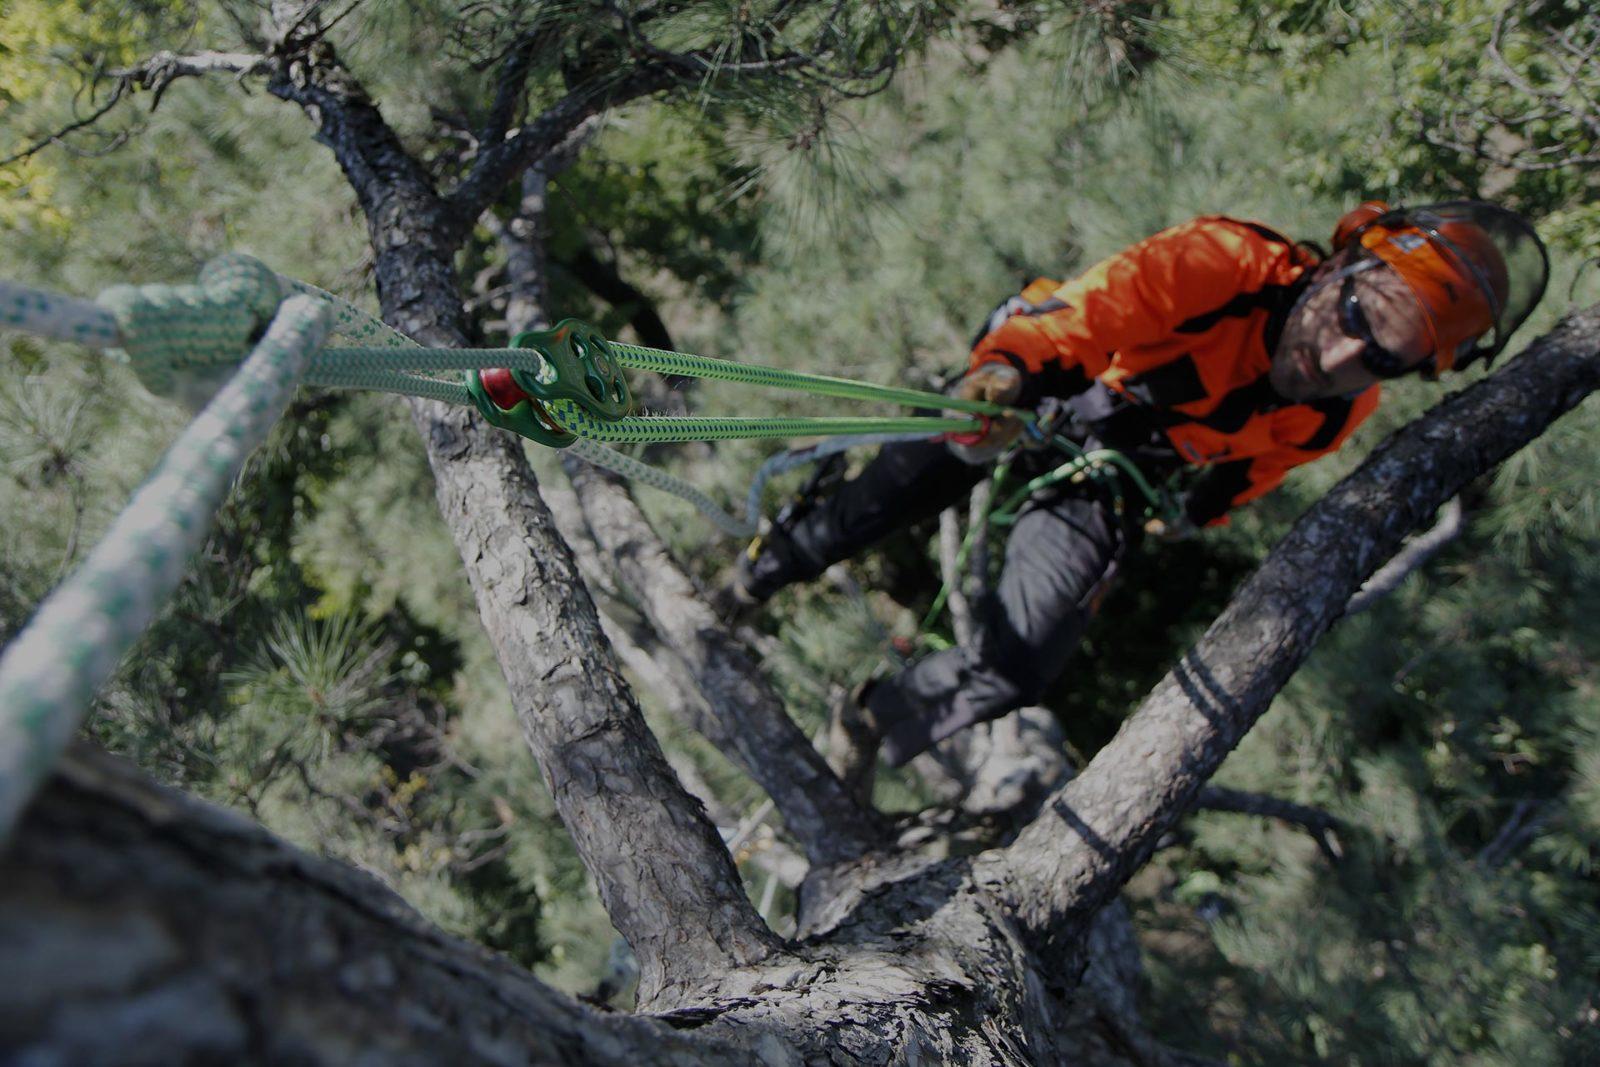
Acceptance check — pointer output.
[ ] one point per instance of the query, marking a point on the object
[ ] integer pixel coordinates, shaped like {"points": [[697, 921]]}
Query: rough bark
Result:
{"points": [[156, 928], [747, 720], [654, 855], [739, 713], [1103, 826], [139, 925], [657, 670]]}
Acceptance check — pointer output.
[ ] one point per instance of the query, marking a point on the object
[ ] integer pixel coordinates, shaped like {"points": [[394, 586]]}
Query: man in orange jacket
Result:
{"points": [[1218, 348]]}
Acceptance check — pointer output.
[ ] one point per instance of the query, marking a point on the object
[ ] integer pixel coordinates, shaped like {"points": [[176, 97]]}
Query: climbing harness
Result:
{"points": [[561, 387], [1107, 466]]}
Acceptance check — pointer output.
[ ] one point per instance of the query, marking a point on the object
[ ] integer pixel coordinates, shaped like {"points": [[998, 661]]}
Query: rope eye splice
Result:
{"points": [[579, 366]]}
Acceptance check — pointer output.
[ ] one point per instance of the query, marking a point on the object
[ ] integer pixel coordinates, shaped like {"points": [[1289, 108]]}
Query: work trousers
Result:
{"points": [[1061, 556]]}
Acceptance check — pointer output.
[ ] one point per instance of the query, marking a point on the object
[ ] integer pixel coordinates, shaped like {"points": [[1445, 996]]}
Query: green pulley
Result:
{"points": [[577, 364]]}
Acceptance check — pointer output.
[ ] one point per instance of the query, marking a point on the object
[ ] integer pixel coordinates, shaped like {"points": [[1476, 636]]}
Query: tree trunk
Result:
{"points": [[154, 928], [138, 925], [654, 855]]}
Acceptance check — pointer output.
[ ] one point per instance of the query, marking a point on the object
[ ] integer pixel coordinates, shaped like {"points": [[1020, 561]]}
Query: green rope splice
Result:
{"points": [[184, 341]]}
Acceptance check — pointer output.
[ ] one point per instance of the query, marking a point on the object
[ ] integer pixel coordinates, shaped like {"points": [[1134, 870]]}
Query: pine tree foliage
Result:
{"points": [[323, 666]]}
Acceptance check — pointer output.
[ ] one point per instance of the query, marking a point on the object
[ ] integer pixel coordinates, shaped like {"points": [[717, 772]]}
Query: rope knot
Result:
{"points": [[184, 341]]}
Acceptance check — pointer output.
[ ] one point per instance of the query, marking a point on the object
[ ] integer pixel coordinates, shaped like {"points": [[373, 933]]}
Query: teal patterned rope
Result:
{"points": [[49, 674], [64, 318], [644, 474], [391, 382]]}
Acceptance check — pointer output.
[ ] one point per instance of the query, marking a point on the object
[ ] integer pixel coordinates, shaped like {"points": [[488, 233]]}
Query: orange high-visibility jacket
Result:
{"points": [[1183, 324]]}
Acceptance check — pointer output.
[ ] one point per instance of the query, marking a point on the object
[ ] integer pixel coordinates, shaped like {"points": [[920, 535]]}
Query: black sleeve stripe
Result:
{"points": [[1168, 385], [1267, 233], [1335, 412], [1270, 298], [1211, 494]]}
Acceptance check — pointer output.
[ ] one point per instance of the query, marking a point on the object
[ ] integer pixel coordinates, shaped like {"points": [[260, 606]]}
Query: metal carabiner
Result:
{"points": [[502, 402]]}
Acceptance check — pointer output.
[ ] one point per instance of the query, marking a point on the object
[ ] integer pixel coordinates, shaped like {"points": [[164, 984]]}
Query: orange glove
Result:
{"points": [[998, 383]]}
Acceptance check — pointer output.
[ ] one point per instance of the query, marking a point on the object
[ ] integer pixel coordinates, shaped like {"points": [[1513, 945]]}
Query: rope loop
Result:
{"points": [[184, 341]]}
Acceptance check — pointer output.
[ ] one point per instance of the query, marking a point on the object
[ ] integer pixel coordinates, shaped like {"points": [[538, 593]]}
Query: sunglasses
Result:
{"points": [[1379, 361]]}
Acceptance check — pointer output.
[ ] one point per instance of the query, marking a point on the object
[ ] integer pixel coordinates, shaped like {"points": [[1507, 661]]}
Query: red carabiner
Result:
{"points": [[969, 439]]}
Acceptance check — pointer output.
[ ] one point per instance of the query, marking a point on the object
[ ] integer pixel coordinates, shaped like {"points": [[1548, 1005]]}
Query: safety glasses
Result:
{"points": [[1379, 361]]}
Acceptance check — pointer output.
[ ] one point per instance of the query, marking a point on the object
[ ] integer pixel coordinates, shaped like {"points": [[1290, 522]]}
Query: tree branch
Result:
{"points": [[512, 88], [603, 280], [58, 135], [747, 721], [654, 855], [155, 74], [1103, 826], [1319, 824], [500, 162], [1527, 818], [146, 920], [1417, 551]]}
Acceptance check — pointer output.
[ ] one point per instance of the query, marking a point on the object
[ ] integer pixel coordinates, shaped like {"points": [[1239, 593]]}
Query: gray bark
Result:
{"points": [[153, 928], [654, 855], [138, 925], [738, 711], [746, 719]]}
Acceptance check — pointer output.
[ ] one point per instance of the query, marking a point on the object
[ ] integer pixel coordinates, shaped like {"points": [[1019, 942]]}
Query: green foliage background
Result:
{"points": [[323, 669]]}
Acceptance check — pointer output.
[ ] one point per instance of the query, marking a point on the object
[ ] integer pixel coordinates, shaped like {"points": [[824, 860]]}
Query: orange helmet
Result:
{"points": [[1476, 270]]}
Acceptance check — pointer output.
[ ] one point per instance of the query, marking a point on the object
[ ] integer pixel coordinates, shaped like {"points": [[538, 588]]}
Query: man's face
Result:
{"points": [[1319, 353]]}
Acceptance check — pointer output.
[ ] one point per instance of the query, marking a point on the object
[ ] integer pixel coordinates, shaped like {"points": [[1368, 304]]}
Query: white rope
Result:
{"points": [[50, 673]]}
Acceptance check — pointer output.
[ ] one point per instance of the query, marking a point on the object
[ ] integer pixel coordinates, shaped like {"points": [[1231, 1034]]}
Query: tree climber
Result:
{"points": [[1217, 348]]}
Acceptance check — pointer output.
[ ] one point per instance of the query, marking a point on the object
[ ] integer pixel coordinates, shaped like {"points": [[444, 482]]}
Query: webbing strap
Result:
{"points": [[75, 640]]}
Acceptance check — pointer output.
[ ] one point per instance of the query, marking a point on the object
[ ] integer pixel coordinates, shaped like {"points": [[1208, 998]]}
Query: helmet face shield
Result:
{"points": [[1477, 271]]}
